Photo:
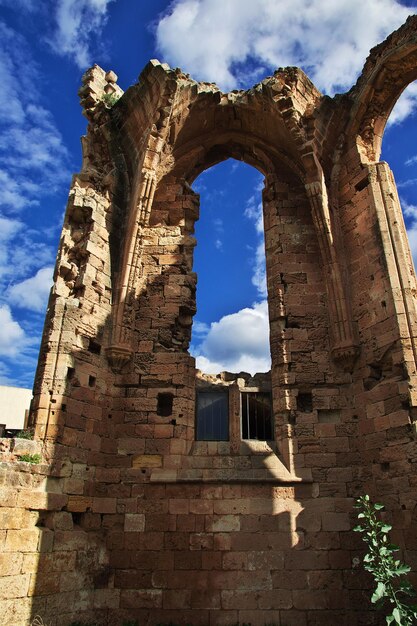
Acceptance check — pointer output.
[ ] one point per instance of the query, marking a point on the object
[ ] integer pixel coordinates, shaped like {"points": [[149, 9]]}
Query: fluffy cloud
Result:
{"points": [[21, 251], [238, 342], [33, 159], [78, 23], [404, 106], [412, 240], [410, 214], [329, 40], [254, 212], [12, 335], [33, 292], [19, 349]]}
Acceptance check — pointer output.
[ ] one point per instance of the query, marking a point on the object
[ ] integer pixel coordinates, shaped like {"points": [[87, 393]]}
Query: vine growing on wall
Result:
{"points": [[389, 573]]}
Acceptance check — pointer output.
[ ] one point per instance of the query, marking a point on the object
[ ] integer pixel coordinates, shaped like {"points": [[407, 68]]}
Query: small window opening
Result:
{"points": [[164, 407], [305, 402], [76, 518], [256, 416], [91, 381], [212, 416], [362, 184], [70, 373], [94, 347]]}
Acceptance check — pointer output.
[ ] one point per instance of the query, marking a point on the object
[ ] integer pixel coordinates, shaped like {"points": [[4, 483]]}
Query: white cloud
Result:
{"points": [[219, 231], [412, 240], [217, 40], [12, 335], [410, 182], [33, 292], [254, 212], [33, 158], [411, 160], [9, 227], [405, 105], [409, 210], [200, 329], [35, 145], [79, 22], [19, 348], [410, 213], [237, 342], [33, 164]]}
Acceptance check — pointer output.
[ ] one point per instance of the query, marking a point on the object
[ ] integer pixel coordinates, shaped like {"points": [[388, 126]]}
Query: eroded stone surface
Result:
{"points": [[131, 517]]}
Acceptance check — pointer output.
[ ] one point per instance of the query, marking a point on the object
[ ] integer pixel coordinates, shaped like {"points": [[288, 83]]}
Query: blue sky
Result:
{"points": [[44, 49]]}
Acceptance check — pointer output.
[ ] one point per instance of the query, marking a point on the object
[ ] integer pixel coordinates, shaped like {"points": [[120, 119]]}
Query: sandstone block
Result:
{"points": [[21, 541], [134, 522], [146, 460], [14, 586]]}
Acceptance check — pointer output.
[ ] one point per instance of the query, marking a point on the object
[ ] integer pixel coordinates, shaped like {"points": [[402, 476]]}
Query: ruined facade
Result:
{"points": [[134, 515]]}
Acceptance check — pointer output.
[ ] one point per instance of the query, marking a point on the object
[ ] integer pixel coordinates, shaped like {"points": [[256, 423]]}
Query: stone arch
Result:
{"points": [[391, 67], [265, 127], [123, 458]]}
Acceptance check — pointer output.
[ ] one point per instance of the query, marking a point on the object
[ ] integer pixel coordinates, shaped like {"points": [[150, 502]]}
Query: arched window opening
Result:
{"points": [[399, 149], [231, 327]]}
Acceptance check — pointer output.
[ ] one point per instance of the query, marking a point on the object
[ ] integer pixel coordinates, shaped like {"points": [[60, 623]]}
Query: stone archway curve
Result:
{"points": [[267, 128], [389, 70]]}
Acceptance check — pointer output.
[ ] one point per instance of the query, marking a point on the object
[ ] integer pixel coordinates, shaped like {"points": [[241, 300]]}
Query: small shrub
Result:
{"points": [[110, 99], [30, 458], [27, 433], [387, 571]]}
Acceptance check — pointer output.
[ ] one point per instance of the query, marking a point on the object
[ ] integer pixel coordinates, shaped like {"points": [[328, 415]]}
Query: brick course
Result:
{"points": [[128, 516]]}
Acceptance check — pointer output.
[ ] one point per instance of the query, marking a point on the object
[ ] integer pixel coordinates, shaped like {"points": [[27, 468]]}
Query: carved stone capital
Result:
{"points": [[345, 355], [118, 356]]}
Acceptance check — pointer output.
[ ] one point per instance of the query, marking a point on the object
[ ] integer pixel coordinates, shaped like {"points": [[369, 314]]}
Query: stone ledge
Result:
{"points": [[227, 476]]}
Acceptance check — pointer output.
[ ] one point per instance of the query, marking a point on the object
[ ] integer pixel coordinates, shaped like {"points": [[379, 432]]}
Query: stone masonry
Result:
{"points": [[130, 516]]}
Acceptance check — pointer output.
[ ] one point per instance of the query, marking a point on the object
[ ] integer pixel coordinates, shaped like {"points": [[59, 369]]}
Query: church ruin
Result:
{"points": [[142, 509]]}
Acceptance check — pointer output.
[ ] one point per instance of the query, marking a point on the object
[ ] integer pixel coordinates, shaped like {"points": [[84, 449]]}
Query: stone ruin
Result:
{"points": [[146, 508]]}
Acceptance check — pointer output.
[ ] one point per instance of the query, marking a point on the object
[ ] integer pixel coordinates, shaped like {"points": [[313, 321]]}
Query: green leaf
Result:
{"points": [[397, 615], [378, 507], [378, 593]]}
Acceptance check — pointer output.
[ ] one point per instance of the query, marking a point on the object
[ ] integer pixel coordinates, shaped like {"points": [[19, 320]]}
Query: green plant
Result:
{"points": [[30, 458], [387, 571], [110, 99], [26, 433]]}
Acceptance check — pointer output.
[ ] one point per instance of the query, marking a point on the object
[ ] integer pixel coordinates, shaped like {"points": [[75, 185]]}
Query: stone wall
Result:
{"points": [[131, 517]]}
